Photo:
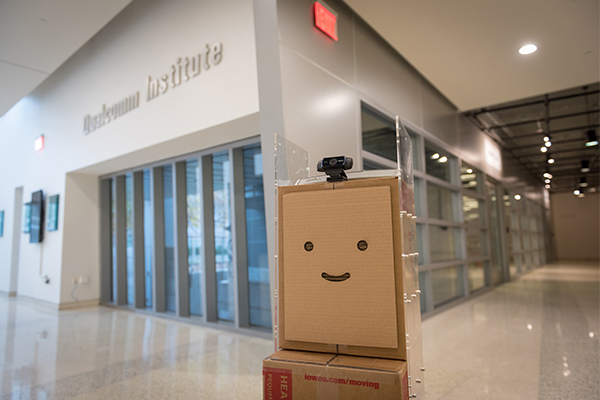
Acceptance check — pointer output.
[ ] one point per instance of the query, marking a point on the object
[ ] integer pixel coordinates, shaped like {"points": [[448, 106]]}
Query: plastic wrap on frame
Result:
{"points": [[291, 166], [405, 166]]}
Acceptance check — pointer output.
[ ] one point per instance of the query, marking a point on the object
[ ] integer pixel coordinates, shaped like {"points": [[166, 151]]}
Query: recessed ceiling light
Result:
{"points": [[528, 49], [585, 166]]}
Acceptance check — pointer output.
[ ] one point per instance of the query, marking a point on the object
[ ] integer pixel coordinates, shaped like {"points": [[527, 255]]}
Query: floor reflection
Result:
{"points": [[526, 339], [102, 353], [533, 338]]}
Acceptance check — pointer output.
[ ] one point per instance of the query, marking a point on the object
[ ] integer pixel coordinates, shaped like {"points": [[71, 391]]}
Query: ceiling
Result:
{"points": [[467, 49], [564, 119], [37, 36]]}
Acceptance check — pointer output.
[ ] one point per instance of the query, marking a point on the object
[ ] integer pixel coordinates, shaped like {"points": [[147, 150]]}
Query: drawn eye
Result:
{"points": [[308, 246], [362, 245]]}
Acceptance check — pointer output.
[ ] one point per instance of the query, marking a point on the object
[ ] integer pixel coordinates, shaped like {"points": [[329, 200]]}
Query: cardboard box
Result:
{"points": [[297, 375], [340, 268]]}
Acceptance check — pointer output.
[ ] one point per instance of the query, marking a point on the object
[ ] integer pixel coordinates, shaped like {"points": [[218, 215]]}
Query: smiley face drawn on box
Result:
{"points": [[338, 267]]}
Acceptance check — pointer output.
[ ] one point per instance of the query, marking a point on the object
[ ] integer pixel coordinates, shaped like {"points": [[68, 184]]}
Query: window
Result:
{"points": [[223, 236], [441, 203], [379, 138], [169, 232], [256, 236], [129, 236], [439, 164], [197, 201], [148, 236], [446, 285], [194, 234]]}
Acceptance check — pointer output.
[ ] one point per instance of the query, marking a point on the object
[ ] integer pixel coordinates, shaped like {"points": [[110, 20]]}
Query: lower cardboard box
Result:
{"points": [[300, 375]]}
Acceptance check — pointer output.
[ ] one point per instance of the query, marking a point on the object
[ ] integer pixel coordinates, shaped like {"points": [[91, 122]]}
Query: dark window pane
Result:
{"points": [[444, 243], [441, 203], [439, 163], [169, 238], [468, 177], [256, 236], [223, 236], [446, 285]]}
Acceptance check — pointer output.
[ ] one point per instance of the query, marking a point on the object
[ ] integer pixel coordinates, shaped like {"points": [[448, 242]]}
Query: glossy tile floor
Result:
{"points": [[533, 338]]}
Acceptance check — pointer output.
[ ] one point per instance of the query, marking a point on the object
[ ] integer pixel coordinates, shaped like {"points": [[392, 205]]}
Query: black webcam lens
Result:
{"points": [[308, 246], [362, 245]]}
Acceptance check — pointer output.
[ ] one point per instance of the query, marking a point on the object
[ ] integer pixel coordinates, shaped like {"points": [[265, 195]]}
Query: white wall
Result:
{"points": [[576, 223], [144, 40]]}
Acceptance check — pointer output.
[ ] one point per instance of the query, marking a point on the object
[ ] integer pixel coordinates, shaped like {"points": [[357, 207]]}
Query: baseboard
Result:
{"points": [[42, 304], [71, 305], [47, 305]]}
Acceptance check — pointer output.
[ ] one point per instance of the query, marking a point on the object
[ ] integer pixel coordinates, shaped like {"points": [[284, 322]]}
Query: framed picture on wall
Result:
{"points": [[52, 223], [1, 223], [26, 217]]}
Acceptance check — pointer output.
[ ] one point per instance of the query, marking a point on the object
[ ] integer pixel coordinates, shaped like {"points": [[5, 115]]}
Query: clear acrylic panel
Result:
{"points": [[292, 168], [291, 162]]}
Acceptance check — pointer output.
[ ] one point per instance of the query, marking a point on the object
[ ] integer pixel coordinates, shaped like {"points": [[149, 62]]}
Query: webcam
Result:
{"points": [[335, 167]]}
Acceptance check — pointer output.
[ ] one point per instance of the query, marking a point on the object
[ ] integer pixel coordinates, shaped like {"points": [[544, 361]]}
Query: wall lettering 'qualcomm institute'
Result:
{"points": [[93, 122], [185, 69]]}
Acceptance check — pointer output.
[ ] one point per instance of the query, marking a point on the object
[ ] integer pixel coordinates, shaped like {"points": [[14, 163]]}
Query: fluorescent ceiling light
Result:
{"points": [[528, 49]]}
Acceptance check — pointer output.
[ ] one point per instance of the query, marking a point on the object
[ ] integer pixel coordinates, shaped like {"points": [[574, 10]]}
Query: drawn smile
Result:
{"points": [[335, 278]]}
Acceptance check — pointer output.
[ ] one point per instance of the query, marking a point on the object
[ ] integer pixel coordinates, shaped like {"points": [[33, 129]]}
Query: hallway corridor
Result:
{"points": [[532, 338]]}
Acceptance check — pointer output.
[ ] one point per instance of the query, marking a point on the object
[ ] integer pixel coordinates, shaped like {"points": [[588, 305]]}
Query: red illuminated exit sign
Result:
{"points": [[326, 21]]}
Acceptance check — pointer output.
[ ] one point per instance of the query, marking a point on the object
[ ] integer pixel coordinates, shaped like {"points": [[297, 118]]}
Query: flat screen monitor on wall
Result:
{"points": [[36, 231]]}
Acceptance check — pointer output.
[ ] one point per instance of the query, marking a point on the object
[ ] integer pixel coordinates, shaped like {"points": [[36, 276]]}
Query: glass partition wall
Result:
{"points": [[459, 216], [187, 237]]}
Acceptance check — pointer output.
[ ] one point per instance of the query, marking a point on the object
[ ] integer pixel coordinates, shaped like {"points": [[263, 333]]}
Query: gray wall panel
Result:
{"points": [[300, 33], [138, 239], [384, 76], [439, 115], [471, 143], [105, 240]]}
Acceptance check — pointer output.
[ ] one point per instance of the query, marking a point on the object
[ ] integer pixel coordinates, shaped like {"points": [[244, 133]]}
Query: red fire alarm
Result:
{"points": [[38, 144], [326, 21]]}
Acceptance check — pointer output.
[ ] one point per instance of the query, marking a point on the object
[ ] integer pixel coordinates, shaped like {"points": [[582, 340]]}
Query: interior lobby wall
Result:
{"points": [[576, 223], [150, 39], [324, 82]]}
